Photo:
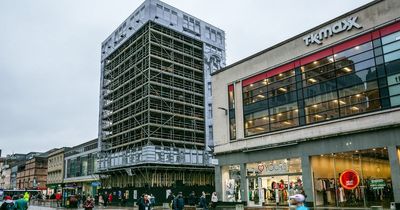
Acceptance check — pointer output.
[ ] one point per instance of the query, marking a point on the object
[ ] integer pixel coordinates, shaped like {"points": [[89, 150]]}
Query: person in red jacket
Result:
{"points": [[110, 197], [58, 199]]}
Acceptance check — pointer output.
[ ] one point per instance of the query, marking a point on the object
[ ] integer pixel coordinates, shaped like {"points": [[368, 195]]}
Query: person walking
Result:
{"points": [[105, 199], [179, 202], [8, 204], [58, 199], [214, 200], [21, 203], [144, 204], [298, 201], [89, 203], [203, 201], [170, 200], [110, 198], [192, 199], [152, 200]]}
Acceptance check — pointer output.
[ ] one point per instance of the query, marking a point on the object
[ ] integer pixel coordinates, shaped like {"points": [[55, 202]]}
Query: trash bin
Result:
{"points": [[239, 207]]}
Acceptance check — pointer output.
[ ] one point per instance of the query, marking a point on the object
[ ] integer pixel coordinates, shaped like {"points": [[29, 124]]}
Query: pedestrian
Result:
{"points": [[214, 200], [88, 204], [179, 202], [58, 199], [8, 204], [144, 204], [203, 201], [298, 201], [192, 199], [170, 200], [152, 200], [21, 203], [110, 198], [101, 200], [83, 198], [105, 199]]}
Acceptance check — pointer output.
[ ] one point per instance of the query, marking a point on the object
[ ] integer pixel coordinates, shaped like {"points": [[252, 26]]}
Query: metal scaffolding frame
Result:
{"points": [[152, 111]]}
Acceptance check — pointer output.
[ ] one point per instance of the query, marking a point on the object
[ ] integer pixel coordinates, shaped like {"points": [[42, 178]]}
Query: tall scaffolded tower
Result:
{"points": [[155, 121]]}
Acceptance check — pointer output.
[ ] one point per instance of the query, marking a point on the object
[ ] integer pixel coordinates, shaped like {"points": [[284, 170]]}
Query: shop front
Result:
{"points": [[360, 178], [272, 182], [231, 183]]}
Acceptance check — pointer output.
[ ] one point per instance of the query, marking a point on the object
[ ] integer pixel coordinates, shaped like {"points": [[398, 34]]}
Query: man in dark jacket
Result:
{"points": [[144, 204], [179, 202], [8, 204]]}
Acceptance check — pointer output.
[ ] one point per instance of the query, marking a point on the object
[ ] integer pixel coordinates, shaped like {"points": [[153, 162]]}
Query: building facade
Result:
{"points": [[155, 103], [80, 168], [316, 114], [5, 179], [55, 170], [34, 173]]}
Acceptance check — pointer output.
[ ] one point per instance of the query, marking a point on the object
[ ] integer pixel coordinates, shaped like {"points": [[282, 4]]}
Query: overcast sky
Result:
{"points": [[50, 56]]}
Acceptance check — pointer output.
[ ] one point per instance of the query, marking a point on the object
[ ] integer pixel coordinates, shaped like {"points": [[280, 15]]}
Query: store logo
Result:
{"points": [[349, 179], [338, 27]]}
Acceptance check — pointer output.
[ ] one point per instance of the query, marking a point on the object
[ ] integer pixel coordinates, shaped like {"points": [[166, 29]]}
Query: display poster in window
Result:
{"points": [[230, 189], [377, 184], [349, 179], [135, 194]]}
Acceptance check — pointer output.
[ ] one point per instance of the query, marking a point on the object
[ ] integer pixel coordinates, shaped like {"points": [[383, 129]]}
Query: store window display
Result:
{"points": [[352, 179], [272, 182], [231, 183]]}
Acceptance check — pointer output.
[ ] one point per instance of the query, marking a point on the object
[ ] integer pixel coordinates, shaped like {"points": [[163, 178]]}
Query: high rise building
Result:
{"points": [[155, 123]]}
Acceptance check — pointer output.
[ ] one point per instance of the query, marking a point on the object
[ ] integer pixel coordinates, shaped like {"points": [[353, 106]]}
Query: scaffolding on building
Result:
{"points": [[153, 95]]}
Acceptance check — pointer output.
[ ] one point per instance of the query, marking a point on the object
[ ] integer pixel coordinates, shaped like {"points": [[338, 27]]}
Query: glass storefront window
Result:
{"points": [[231, 183], [232, 119], [272, 182], [373, 170]]}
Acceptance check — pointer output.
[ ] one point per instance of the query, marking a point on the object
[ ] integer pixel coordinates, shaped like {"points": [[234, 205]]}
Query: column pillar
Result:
{"points": [[395, 173], [243, 183], [218, 182], [307, 180]]}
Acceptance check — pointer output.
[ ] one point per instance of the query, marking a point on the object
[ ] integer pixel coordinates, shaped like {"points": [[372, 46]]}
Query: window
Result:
{"points": [[219, 37], [209, 88], [208, 32], [174, 18], [210, 132], [209, 107], [167, 14], [231, 112], [197, 27], [213, 35]]}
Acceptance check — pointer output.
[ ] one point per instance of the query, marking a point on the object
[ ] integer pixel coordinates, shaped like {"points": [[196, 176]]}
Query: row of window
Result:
{"points": [[362, 79]]}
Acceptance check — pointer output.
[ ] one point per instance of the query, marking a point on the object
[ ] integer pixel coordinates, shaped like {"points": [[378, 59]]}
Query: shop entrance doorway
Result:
{"points": [[275, 190], [272, 182]]}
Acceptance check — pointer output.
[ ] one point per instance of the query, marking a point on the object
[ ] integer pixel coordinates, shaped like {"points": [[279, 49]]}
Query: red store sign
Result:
{"points": [[349, 179]]}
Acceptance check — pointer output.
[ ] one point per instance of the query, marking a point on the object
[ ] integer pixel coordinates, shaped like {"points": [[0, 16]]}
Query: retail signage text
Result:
{"points": [[338, 27]]}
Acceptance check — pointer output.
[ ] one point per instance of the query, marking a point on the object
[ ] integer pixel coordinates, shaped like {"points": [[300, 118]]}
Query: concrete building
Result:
{"points": [[155, 126], [316, 114], [55, 170], [80, 168]]}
